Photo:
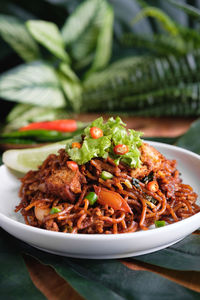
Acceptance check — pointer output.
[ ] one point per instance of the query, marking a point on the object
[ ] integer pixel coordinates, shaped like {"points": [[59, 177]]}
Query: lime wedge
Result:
{"points": [[24, 160]]}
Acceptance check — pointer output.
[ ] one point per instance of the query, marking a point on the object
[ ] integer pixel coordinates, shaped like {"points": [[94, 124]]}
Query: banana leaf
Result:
{"points": [[15, 282], [101, 278]]}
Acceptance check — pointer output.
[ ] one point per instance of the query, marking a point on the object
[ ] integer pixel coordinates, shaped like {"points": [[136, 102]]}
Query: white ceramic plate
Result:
{"points": [[101, 246]]}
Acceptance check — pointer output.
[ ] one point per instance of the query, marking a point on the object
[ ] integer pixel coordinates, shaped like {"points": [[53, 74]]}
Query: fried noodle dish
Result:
{"points": [[106, 181]]}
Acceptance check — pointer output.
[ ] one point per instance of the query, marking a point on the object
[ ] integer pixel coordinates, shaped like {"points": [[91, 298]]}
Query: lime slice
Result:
{"points": [[24, 160]]}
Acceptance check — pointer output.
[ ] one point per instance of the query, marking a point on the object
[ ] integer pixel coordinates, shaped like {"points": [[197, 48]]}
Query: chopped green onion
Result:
{"points": [[160, 223], [91, 197], [106, 175], [55, 210]]}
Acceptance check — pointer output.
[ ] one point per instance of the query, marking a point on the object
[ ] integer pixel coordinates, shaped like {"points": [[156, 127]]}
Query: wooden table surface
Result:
{"points": [[55, 287]]}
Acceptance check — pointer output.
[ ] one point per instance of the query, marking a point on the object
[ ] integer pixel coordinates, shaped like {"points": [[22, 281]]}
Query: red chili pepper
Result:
{"points": [[96, 132], [112, 199], [72, 165], [121, 149], [153, 186], [76, 145], [58, 125]]}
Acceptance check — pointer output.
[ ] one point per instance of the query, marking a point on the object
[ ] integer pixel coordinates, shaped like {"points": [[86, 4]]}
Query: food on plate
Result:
{"points": [[105, 181]]}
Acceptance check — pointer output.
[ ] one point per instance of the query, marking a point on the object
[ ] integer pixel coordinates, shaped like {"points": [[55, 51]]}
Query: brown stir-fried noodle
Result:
{"points": [[55, 185]]}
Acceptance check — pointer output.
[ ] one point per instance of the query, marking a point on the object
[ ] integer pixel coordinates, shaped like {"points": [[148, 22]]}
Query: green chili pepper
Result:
{"points": [[106, 175], [160, 223], [91, 197], [55, 210], [15, 141], [41, 135]]}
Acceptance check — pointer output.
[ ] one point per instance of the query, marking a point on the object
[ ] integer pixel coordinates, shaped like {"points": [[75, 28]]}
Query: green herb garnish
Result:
{"points": [[114, 133], [55, 210], [159, 223]]}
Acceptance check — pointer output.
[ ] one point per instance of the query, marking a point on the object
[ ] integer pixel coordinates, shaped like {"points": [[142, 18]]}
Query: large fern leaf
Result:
{"points": [[189, 9], [151, 11], [142, 83]]}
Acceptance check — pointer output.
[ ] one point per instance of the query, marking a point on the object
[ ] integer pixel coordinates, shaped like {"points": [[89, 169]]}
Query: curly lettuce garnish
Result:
{"points": [[114, 133]]}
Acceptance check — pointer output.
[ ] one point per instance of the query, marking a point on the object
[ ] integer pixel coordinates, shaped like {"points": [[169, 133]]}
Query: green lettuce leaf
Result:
{"points": [[114, 133], [90, 148]]}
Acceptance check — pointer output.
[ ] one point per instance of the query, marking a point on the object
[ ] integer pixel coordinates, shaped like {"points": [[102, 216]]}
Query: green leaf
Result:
{"points": [[33, 83], [78, 21], [47, 34], [72, 90], [68, 72], [15, 282], [84, 49], [190, 140], [114, 133], [71, 86], [189, 9], [94, 45], [146, 86], [159, 44], [124, 12], [104, 41], [18, 110], [87, 288], [184, 256], [132, 284], [101, 278], [14, 32], [175, 109], [160, 15]]}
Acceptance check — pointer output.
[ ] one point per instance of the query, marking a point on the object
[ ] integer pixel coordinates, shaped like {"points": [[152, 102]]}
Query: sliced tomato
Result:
{"points": [[96, 132], [72, 165], [76, 145], [121, 149], [153, 186], [112, 199]]}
